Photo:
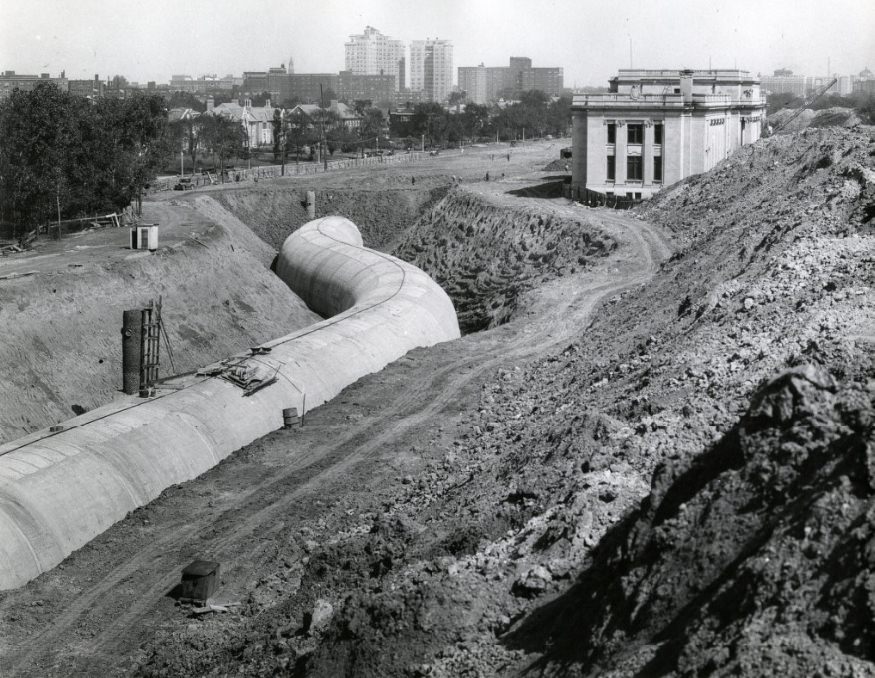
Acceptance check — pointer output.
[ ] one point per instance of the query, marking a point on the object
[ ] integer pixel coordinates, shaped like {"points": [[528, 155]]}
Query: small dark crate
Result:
{"points": [[200, 580]]}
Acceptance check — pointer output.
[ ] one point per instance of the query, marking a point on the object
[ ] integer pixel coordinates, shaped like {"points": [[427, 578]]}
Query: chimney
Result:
{"points": [[687, 86], [210, 103]]}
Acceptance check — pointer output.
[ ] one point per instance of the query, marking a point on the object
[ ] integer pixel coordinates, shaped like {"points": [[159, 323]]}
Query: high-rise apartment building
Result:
{"points": [[783, 81], [472, 81], [483, 84], [431, 68], [373, 53]]}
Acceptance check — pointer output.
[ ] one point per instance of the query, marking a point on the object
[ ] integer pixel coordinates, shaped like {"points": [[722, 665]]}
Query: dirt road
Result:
{"points": [[89, 616]]}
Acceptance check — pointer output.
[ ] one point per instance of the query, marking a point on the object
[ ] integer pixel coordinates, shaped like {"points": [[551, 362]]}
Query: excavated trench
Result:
{"points": [[485, 255]]}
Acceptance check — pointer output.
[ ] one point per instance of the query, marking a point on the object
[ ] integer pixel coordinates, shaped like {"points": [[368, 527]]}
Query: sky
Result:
{"points": [[154, 39]]}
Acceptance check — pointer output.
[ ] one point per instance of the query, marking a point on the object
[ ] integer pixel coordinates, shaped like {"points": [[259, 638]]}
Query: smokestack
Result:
{"points": [[210, 103], [687, 86]]}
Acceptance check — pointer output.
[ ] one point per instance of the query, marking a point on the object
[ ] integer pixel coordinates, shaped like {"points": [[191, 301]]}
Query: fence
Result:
{"points": [[596, 199], [291, 169]]}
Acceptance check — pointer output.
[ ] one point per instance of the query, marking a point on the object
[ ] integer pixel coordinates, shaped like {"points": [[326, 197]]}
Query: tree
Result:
{"points": [[64, 156], [224, 137], [457, 98]]}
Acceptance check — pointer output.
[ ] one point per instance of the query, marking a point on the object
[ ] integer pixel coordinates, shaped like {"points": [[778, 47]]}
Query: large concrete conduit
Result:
{"points": [[58, 490]]}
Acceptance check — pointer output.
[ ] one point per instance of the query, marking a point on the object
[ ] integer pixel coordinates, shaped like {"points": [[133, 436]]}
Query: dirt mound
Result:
{"points": [[828, 117], [486, 256], [60, 346], [685, 480], [755, 555]]}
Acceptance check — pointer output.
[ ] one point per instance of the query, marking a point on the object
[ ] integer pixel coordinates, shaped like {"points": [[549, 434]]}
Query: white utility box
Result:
{"points": [[144, 238]]}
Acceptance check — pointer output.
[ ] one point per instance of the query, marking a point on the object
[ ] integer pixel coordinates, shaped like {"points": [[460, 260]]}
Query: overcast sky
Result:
{"points": [[153, 39]]}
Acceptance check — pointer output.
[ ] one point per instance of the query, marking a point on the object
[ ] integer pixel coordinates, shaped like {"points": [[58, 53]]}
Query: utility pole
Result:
{"points": [[282, 131], [322, 128]]}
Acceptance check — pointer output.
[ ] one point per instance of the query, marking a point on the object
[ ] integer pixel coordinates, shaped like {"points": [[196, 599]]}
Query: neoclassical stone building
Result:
{"points": [[656, 127]]}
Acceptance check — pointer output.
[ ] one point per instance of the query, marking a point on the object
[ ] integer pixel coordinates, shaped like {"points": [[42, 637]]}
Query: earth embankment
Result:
{"points": [[382, 208], [485, 255], [684, 489], [60, 340]]}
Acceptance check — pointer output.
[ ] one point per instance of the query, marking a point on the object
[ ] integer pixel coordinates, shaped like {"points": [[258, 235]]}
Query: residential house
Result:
{"points": [[257, 121]]}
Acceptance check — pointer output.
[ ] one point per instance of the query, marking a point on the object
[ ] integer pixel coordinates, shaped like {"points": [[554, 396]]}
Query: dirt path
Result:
{"points": [[110, 597]]}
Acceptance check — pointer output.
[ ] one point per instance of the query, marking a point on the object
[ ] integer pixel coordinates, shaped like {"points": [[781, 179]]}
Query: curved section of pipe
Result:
{"points": [[59, 490]]}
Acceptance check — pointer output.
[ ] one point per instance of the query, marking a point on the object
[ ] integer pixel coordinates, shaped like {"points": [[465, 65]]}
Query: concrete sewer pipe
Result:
{"points": [[59, 490]]}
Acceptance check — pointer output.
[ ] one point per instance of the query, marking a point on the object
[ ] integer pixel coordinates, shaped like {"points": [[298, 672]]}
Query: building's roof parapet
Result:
{"points": [[666, 100]]}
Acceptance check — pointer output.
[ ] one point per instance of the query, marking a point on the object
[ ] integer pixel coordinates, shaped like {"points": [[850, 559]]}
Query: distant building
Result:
{"points": [[254, 82], [257, 121], [865, 82], [783, 81], [816, 83], [401, 122], [277, 82], [472, 81], [305, 87], [373, 53], [656, 127], [484, 84], [377, 88], [431, 68], [202, 84], [10, 81], [407, 97], [345, 115], [90, 89]]}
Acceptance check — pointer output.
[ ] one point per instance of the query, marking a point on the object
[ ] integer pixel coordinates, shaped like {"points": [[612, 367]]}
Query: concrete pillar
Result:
{"points": [[620, 150], [132, 329], [579, 152], [687, 86], [647, 155], [311, 204]]}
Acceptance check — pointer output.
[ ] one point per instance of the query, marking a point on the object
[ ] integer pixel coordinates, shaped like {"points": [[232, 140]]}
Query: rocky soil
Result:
{"points": [[684, 489], [682, 485], [826, 117], [485, 256]]}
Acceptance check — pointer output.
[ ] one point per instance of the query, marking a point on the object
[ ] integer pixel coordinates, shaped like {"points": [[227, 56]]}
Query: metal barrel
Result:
{"points": [[290, 416]]}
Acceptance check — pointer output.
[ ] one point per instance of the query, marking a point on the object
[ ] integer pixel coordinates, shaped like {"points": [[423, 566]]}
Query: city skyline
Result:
{"points": [[589, 40]]}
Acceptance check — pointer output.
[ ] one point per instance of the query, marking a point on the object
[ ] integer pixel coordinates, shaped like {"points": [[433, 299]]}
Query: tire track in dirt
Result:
{"points": [[156, 568]]}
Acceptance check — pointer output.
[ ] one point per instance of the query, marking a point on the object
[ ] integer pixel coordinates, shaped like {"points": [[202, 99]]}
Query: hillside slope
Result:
{"points": [[60, 342], [774, 269]]}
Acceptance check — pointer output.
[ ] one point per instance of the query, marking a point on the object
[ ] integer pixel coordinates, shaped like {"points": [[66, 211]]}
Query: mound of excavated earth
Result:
{"points": [[485, 256], [677, 481], [662, 496], [60, 340], [836, 116]]}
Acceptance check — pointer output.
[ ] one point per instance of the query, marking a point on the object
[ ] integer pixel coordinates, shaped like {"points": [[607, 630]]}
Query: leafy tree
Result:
{"points": [[223, 137], [64, 156], [185, 100]]}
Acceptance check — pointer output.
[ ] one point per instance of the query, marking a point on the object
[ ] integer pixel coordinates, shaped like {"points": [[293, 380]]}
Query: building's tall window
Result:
{"points": [[612, 132], [657, 133], [636, 133], [612, 168], [657, 169], [633, 168]]}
